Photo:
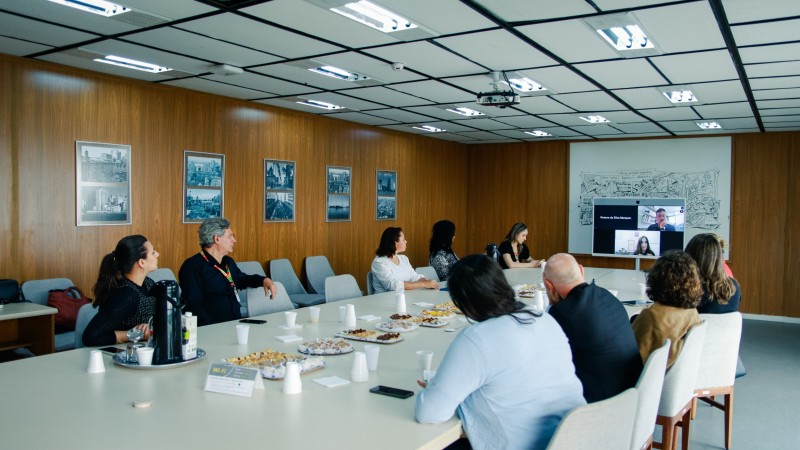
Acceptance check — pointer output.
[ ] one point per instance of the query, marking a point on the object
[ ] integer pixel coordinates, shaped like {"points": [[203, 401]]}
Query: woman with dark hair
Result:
{"points": [[442, 256], [674, 285], [721, 293], [643, 247], [392, 271], [513, 251], [122, 292], [510, 376]]}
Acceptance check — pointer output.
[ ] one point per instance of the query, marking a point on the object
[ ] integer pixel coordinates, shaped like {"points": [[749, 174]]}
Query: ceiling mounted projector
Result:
{"points": [[497, 97]]}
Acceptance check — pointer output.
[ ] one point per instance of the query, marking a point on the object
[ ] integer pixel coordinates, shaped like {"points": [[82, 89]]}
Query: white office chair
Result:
{"points": [[250, 268], [317, 270], [370, 286], [281, 270], [607, 424], [36, 291], [259, 304], [650, 383], [341, 287], [85, 315], [428, 272]]}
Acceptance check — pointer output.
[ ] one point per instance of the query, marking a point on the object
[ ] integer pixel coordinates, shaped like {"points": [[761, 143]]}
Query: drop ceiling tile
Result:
{"points": [[427, 58], [201, 47], [434, 91], [777, 119], [773, 69], [491, 49], [455, 138], [18, 47], [567, 120], [773, 94], [521, 135], [79, 22], [682, 28], [642, 127], [767, 33], [747, 10], [647, 135], [387, 97], [290, 104], [527, 122], [597, 130], [559, 79], [226, 90], [347, 101], [485, 136], [40, 33], [670, 114], [775, 83], [683, 125], [67, 59], [259, 36], [735, 124], [399, 115], [451, 127], [781, 127], [621, 116], [717, 66], [719, 92], [589, 101], [643, 98], [522, 10], [409, 129], [482, 124], [434, 111], [584, 44], [780, 112], [623, 73], [304, 76], [372, 67], [770, 53], [149, 55], [542, 105], [174, 9], [441, 16], [361, 118], [262, 83], [561, 131], [795, 102], [741, 109]]}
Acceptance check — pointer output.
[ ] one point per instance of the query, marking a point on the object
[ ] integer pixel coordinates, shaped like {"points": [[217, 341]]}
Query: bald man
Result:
{"points": [[604, 350]]}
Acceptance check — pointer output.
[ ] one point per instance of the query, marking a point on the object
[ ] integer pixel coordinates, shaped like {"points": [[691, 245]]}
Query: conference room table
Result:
{"points": [[52, 402]]}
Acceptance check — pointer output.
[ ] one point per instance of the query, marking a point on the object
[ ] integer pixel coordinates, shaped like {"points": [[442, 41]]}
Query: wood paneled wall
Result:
{"points": [[484, 189], [47, 107]]}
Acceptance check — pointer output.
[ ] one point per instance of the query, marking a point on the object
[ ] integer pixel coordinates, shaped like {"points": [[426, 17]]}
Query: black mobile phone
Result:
{"points": [[111, 350], [256, 321], [391, 392]]}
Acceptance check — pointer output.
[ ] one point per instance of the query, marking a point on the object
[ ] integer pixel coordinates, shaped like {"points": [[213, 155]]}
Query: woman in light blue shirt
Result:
{"points": [[510, 376]]}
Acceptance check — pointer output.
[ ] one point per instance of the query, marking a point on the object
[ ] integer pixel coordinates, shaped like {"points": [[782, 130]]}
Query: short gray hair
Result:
{"points": [[210, 228]]}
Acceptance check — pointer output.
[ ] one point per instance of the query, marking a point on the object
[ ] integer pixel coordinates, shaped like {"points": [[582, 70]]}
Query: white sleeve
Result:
{"points": [[409, 273], [384, 274]]}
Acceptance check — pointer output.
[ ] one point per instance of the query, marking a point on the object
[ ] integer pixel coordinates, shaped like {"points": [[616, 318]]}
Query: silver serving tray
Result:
{"points": [[117, 358]]}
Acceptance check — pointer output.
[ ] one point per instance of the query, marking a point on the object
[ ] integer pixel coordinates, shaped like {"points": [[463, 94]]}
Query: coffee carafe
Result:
{"points": [[166, 323]]}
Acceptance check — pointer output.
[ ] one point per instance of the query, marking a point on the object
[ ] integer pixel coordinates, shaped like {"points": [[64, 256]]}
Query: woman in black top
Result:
{"points": [[643, 247], [442, 256], [122, 293], [721, 294], [513, 251]]}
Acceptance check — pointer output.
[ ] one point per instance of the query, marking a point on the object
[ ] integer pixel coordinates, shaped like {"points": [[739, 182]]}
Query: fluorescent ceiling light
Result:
{"points": [[627, 37], [374, 16], [132, 64], [429, 129], [525, 85], [319, 104], [339, 74], [709, 125], [465, 111], [538, 133], [680, 96], [595, 119], [100, 7]]}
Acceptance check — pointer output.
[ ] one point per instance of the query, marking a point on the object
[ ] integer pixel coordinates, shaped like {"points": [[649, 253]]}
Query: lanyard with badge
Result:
{"points": [[225, 273]]}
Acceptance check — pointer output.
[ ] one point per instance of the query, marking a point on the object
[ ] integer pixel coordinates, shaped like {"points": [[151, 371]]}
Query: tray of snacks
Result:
{"points": [[446, 306], [431, 322], [444, 315], [120, 360], [525, 290], [399, 316], [397, 326], [377, 337], [326, 346], [272, 364]]}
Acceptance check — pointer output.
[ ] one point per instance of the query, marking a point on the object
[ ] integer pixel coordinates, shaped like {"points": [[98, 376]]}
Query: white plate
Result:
{"points": [[397, 326]]}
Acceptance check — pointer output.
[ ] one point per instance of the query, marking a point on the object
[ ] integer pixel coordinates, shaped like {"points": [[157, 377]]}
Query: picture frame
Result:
{"points": [[102, 184], [385, 195], [279, 190], [338, 181], [203, 186]]}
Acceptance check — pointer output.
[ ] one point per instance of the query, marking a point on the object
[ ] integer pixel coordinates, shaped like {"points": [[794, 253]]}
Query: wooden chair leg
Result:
{"points": [[667, 433], [687, 423], [694, 407], [728, 418]]}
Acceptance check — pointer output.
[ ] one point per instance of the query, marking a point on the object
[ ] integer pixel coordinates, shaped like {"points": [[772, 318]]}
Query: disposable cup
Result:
{"points": [[291, 380], [291, 318], [96, 362], [372, 351], [359, 371], [342, 312], [242, 333], [424, 358], [313, 314], [145, 355]]}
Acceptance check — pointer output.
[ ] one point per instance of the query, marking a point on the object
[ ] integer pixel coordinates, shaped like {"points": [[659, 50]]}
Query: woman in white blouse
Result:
{"points": [[391, 270]]}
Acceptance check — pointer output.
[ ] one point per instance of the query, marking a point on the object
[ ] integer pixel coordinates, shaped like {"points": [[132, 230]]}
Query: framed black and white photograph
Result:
{"points": [[279, 191], [338, 180], [102, 184], [203, 186], [386, 195]]}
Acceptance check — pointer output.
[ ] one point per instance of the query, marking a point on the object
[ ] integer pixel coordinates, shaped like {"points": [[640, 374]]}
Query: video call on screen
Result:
{"points": [[608, 219]]}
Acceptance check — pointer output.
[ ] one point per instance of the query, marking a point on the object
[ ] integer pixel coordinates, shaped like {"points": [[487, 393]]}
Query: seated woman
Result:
{"points": [[721, 293], [643, 247], [513, 251], [442, 256], [122, 293], [507, 392], [674, 285], [391, 270]]}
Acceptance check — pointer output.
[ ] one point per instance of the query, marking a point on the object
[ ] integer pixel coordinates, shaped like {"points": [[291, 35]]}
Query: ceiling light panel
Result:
{"points": [[99, 7], [429, 128], [594, 119], [709, 125], [538, 133], [680, 96], [374, 16], [463, 111], [625, 34], [132, 64], [583, 43]]}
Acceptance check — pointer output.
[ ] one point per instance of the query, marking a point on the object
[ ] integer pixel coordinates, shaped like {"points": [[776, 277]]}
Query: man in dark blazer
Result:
{"points": [[604, 349]]}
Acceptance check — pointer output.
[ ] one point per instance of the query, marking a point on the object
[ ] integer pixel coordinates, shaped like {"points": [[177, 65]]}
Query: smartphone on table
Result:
{"points": [[255, 321], [391, 392], [111, 350]]}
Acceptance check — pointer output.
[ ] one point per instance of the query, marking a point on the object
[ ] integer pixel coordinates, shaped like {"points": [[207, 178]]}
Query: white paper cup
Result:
{"points": [[425, 358], [359, 371], [342, 312], [242, 333], [291, 318], [313, 314], [96, 362], [400, 302], [372, 351], [350, 315], [145, 355], [291, 379]]}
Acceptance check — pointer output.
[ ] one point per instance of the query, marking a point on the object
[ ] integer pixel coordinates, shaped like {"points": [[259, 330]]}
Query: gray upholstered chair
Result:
{"points": [[85, 315], [717, 370], [35, 291], [675, 407], [317, 270], [370, 280], [259, 304], [341, 287], [607, 424], [650, 383], [428, 272], [282, 270], [250, 268]]}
